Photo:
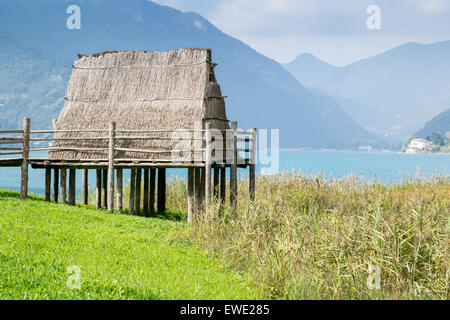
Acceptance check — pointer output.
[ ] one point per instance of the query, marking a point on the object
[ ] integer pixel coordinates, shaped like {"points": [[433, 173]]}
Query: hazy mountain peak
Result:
{"points": [[393, 93]]}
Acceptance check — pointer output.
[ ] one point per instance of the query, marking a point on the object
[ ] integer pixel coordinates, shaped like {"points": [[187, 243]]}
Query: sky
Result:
{"points": [[335, 31]]}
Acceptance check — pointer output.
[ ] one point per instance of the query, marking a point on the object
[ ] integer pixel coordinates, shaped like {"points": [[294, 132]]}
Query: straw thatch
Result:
{"points": [[139, 91]]}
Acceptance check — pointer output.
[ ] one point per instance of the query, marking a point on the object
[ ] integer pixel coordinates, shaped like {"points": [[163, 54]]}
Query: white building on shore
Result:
{"points": [[419, 146]]}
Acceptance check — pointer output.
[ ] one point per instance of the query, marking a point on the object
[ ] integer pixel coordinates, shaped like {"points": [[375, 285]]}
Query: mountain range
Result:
{"points": [[391, 94], [440, 124], [37, 51]]}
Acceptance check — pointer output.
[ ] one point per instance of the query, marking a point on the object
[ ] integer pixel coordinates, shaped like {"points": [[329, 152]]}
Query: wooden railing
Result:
{"points": [[243, 150]]}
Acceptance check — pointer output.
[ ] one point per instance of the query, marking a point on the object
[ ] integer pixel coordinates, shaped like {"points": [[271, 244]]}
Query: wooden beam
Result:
{"points": [[25, 156], [137, 190], [197, 186], [233, 171], [152, 191], [252, 167], [119, 174], [202, 188], [146, 192], [208, 162], [132, 186], [161, 190], [72, 180], [112, 133], [98, 189], [104, 188], [48, 179], [190, 186], [62, 185], [55, 184], [223, 184], [216, 184], [85, 186]]}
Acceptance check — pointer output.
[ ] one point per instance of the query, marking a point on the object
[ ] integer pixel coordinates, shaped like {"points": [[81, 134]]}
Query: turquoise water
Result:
{"points": [[387, 167]]}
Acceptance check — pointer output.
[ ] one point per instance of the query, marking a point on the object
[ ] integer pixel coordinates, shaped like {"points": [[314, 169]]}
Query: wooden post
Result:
{"points": [[132, 185], [252, 168], [161, 190], [62, 185], [119, 173], [98, 189], [197, 185], [55, 184], [233, 171], [104, 188], [112, 133], [190, 186], [152, 191], [72, 187], [208, 162], [137, 190], [85, 186], [48, 179], [202, 188], [25, 156], [216, 184], [223, 183], [146, 193]]}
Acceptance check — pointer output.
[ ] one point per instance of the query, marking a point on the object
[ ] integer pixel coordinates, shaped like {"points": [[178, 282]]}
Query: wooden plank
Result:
{"points": [[13, 139], [152, 191], [11, 149], [11, 131], [62, 185], [202, 188], [98, 189], [119, 174], [132, 186], [233, 171], [208, 162], [55, 184], [146, 193], [197, 186], [48, 179], [42, 163], [25, 155], [71, 200], [85, 187], [216, 184], [137, 190], [112, 133], [252, 167], [223, 184], [190, 186], [104, 188], [161, 190]]}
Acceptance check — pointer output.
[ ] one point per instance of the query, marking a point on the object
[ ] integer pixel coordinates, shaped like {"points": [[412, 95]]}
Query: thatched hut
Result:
{"points": [[121, 111], [139, 90]]}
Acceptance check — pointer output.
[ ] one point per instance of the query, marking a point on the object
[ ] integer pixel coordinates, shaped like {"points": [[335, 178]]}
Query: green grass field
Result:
{"points": [[119, 256], [302, 238]]}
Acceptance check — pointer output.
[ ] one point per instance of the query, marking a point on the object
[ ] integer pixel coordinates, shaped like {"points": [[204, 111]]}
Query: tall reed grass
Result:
{"points": [[315, 238], [311, 238]]}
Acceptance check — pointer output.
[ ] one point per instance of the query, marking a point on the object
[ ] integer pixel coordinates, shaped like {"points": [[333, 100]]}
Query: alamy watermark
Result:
{"points": [[74, 280], [191, 146], [374, 20], [73, 22], [374, 278]]}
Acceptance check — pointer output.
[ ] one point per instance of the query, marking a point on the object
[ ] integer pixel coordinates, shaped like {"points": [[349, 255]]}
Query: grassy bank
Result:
{"points": [[302, 238], [119, 256], [306, 238]]}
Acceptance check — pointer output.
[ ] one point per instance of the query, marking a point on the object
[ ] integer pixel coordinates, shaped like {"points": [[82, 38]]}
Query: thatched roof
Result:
{"points": [[139, 90]]}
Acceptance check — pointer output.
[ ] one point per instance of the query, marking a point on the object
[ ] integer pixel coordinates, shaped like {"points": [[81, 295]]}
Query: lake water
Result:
{"points": [[387, 167]]}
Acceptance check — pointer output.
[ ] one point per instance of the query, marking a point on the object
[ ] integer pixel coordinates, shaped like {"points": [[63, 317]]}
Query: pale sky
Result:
{"points": [[333, 30]]}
